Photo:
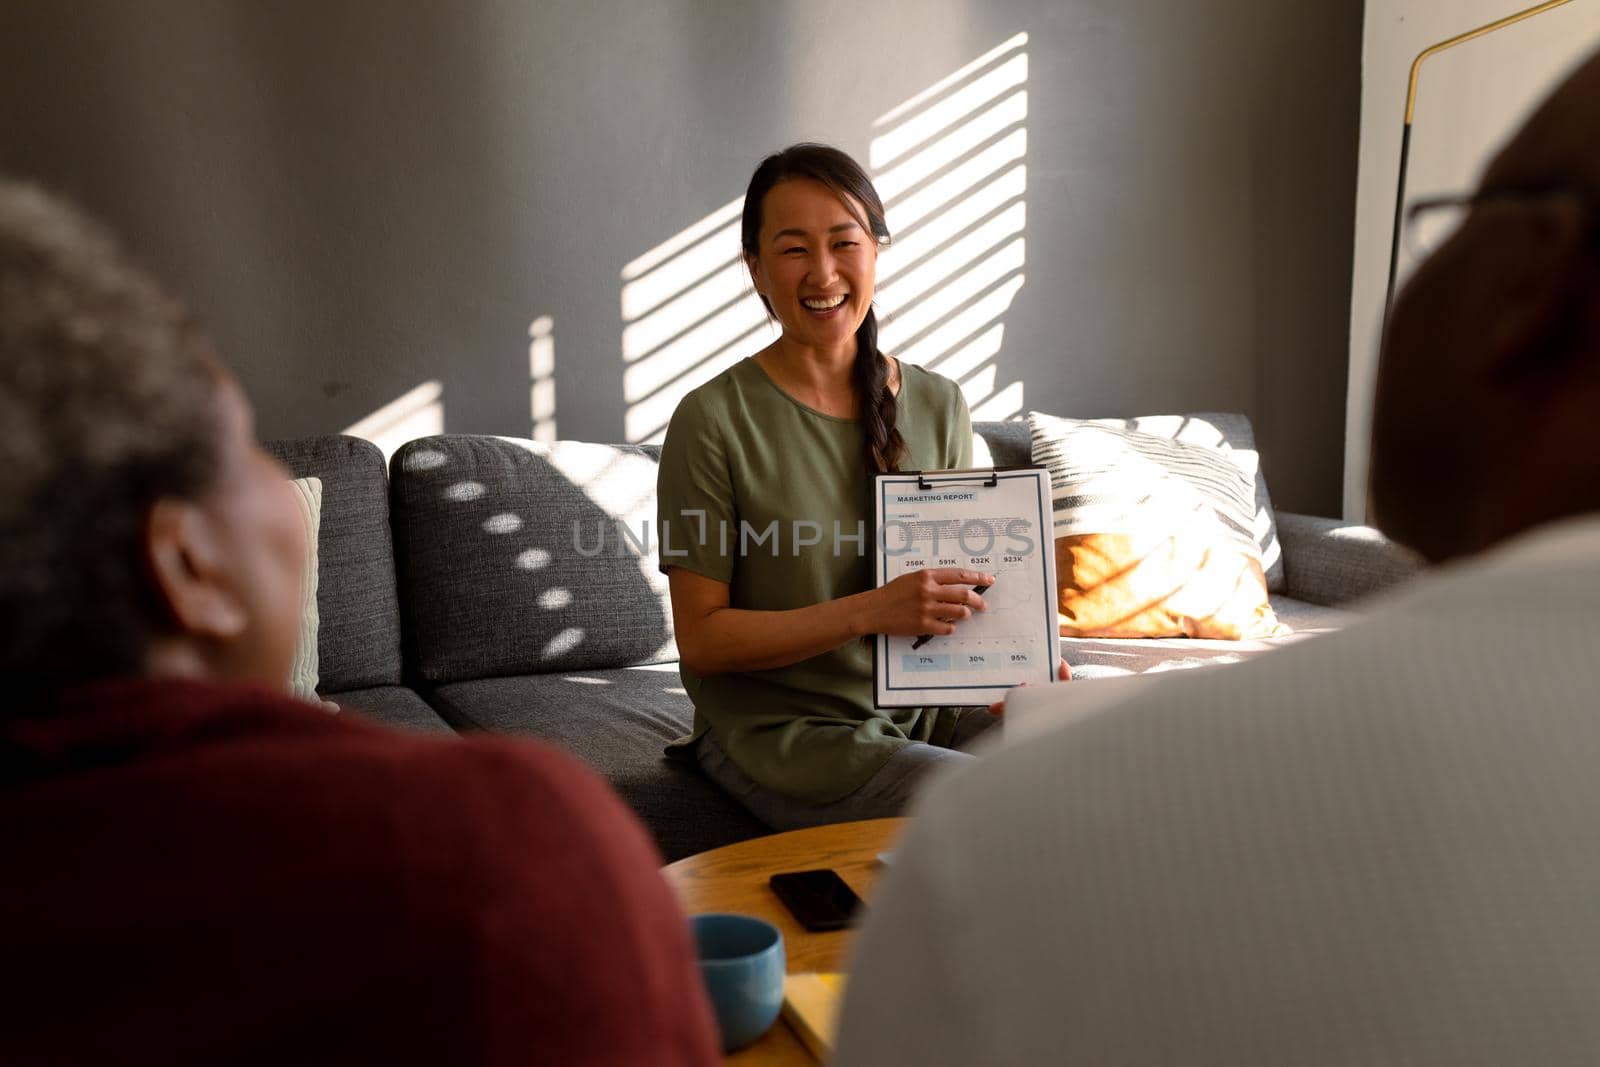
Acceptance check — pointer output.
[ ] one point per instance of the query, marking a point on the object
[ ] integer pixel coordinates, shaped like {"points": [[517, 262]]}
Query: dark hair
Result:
{"points": [[875, 401], [108, 402]]}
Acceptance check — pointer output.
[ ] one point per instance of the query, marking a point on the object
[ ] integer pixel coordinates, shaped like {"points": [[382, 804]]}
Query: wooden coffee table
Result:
{"points": [[734, 878]]}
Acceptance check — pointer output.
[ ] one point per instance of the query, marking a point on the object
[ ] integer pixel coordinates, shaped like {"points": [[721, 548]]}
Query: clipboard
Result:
{"points": [[994, 519]]}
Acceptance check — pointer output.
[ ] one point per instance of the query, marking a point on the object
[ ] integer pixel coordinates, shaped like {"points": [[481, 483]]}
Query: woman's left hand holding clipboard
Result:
{"points": [[1063, 674]]}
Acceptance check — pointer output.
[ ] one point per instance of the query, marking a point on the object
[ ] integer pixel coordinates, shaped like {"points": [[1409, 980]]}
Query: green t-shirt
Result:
{"points": [[762, 492]]}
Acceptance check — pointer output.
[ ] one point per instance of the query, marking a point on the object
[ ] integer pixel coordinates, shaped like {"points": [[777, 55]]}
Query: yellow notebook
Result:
{"points": [[811, 1005]]}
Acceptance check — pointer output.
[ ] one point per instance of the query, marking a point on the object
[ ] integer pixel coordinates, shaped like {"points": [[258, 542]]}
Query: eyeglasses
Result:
{"points": [[1431, 222]]}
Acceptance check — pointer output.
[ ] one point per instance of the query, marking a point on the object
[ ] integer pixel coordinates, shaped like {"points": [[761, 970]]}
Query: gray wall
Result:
{"points": [[361, 197]]}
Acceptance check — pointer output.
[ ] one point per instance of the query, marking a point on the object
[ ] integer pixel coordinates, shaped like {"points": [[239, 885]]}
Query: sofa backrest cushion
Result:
{"points": [[1008, 444], [1002, 444], [358, 631], [525, 557]]}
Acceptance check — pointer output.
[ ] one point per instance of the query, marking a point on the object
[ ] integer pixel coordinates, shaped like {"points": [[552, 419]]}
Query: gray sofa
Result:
{"points": [[485, 583]]}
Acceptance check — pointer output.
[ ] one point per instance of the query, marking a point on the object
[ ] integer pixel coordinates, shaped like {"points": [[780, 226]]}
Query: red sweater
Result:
{"points": [[198, 873]]}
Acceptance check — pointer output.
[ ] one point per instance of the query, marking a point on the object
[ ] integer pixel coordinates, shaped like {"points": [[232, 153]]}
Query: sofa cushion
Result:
{"points": [[520, 557], [1002, 444], [1330, 561], [1103, 657], [392, 705], [358, 618], [619, 722], [1007, 444]]}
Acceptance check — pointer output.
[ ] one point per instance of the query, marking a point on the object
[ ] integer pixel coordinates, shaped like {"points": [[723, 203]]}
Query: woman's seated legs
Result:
{"points": [[885, 795]]}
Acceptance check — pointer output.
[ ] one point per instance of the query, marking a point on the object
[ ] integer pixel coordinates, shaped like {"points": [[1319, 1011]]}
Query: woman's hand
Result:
{"points": [[1063, 674], [926, 602]]}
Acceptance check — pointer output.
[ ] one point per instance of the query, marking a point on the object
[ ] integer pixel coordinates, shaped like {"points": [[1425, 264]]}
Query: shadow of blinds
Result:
{"points": [[950, 164]]}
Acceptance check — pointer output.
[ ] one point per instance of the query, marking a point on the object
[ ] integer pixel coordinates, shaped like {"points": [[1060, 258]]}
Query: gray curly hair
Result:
{"points": [[108, 404]]}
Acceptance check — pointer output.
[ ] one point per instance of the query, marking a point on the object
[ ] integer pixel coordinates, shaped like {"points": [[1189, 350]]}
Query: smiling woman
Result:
{"points": [[811, 230], [760, 466]]}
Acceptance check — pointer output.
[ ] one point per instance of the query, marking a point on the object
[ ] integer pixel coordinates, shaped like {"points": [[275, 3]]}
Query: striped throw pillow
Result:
{"points": [[307, 493], [1155, 537]]}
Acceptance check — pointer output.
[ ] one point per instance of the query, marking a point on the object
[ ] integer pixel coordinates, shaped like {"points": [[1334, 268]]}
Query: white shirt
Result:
{"points": [[1381, 846]]}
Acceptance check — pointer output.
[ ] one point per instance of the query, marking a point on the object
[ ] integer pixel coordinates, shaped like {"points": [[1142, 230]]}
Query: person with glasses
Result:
{"points": [[1377, 847]]}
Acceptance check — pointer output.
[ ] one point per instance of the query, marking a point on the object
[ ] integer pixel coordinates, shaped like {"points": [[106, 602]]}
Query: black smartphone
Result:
{"points": [[819, 899]]}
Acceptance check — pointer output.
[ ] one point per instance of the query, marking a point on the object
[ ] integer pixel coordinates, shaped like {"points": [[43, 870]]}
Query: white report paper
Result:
{"points": [[995, 521]]}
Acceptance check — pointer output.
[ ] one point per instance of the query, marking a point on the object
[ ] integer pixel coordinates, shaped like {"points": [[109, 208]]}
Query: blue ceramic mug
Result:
{"points": [[742, 963]]}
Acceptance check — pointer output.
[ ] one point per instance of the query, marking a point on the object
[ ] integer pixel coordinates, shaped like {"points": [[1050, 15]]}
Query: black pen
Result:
{"points": [[925, 638]]}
